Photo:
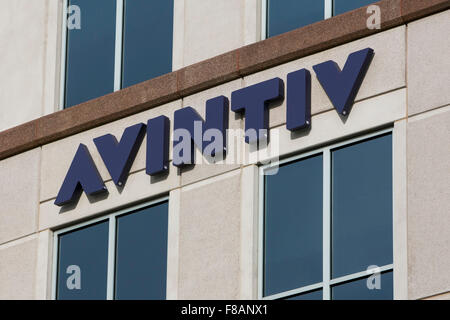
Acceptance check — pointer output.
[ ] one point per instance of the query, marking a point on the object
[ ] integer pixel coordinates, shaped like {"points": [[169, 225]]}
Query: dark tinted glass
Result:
{"points": [[341, 6], [311, 295], [141, 255], [287, 15], [362, 206], [90, 52], [359, 289], [147, 48], [86, 249], [293, 226]]}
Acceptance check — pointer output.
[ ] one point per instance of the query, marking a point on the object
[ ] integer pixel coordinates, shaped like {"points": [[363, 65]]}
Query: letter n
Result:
{"points": [[82, 175], [186, 119]]}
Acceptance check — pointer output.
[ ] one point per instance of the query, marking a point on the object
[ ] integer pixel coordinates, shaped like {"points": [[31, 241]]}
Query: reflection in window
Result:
{"points": [[327, 220], [145, 45], [286, 15], [83, 263], [147, 40], [341, 6], [293, 232], [366, 288], [361, 206], [311, 295], [141, 254], [90, 52], [131, 263]]}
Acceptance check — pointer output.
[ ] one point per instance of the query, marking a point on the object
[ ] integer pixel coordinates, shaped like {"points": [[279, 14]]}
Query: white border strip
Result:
{"points": [[362, 274], [261, 234], [264, 7], [62, 78], [328, 9], [328, 13], [293, 292], [111, 258], [119, 47], [326, 222], [111, 243]]}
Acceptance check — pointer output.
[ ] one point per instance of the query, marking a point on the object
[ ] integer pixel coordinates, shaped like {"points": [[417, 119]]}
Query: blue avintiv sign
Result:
{"points": [[341, 86]]}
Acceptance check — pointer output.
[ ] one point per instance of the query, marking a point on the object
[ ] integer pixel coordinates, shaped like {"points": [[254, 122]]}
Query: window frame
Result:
{"points": [[118, 51], [328, 13], [327, 281], [112, 235]]}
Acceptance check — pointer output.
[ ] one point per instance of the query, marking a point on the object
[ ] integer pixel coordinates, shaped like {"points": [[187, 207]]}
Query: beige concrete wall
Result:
{"points": [[429, 203], [209, 253], [28, 51], [19, 194], [428, 154], [18, 268], [204, 29], [428, 63]]}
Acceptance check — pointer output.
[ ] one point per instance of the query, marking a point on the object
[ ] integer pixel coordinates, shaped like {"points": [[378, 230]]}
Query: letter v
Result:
{"points": [[118, 157], [342, 86], [82, 175]]}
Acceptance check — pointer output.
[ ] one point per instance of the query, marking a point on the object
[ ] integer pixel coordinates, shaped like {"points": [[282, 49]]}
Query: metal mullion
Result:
{"points": [[264, 8], [118, 45], [55, 259], [261, 230], [328, 9], [63, 61], [362, 274], [111, 258], [326, 231], [292, 292]]}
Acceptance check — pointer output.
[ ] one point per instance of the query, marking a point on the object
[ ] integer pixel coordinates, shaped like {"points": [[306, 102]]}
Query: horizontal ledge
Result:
{"points": [[237, 63]]}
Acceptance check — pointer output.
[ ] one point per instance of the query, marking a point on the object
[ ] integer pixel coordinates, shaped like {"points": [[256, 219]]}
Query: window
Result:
{"points": [[118, 43], [281, 16], [327, 223], [122, 256]]}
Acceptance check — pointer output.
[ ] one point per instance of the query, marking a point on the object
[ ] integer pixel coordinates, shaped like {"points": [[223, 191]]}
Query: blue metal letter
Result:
{"points": [[216, 118], [158, 137], [118, 157], [298, 105], [82, 175], [254, 101], [342, 86]]}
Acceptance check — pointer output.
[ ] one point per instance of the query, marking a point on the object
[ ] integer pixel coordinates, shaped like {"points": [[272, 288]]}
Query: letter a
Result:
{"points": [[82, 175]]}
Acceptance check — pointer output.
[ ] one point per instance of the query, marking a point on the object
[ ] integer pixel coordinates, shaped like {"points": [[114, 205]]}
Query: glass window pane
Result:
{"points": [[362, 206], [147, 49], [311, 295], [83, 255], [141, 253], [341, 6], [359, 289], [287, 15], [90, 51], [293, 226]]}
